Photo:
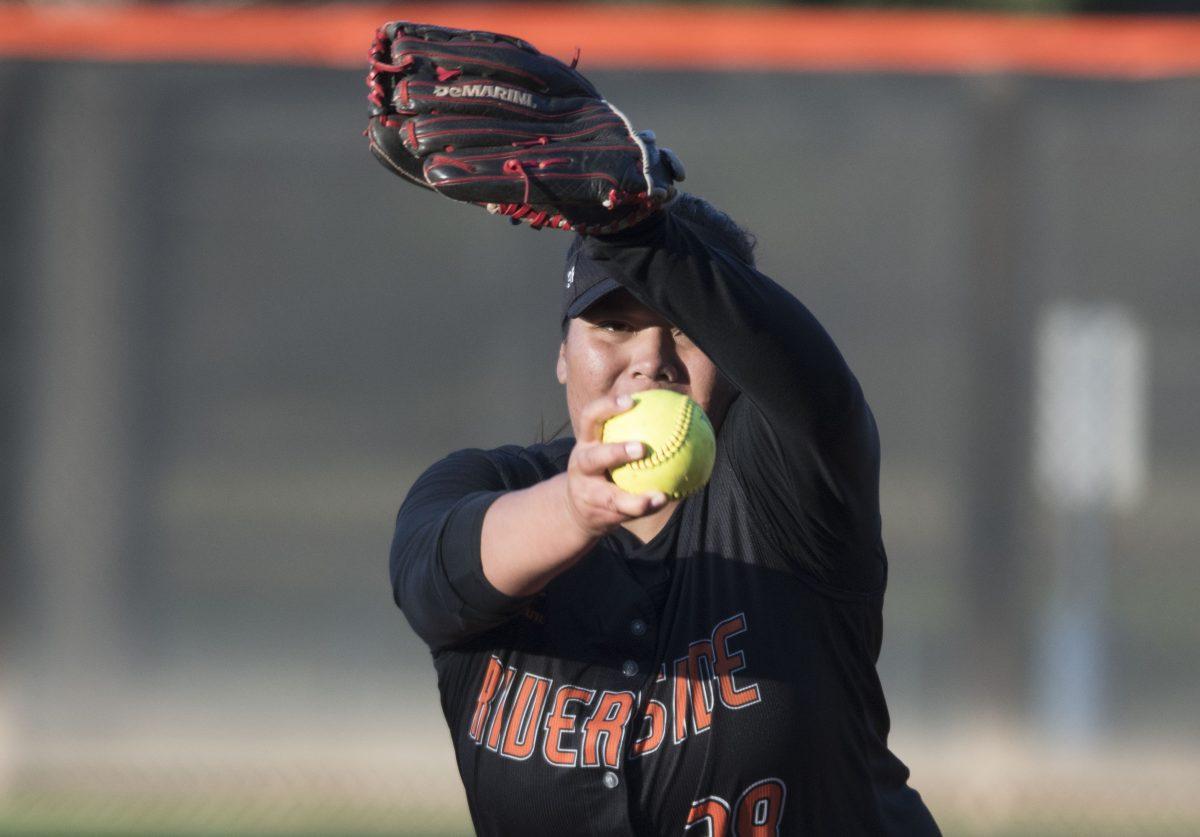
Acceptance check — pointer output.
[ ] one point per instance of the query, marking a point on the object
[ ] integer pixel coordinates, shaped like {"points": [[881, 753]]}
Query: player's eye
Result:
{"points": [[613, 325]]}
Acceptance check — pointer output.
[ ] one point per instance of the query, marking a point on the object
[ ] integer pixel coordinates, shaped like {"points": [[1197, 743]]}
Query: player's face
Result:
{"points": [[620, 346]]}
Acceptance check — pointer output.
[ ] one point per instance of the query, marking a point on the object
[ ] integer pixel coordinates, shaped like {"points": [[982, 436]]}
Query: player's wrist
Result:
{"points": [[527, 539], [648, 231], [570, 515]]}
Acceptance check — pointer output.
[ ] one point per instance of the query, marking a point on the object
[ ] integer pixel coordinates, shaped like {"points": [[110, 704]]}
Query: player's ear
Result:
{"points": [[561, 366]]}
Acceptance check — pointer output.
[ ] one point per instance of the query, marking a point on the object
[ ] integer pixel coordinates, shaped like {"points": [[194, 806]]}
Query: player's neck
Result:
{"points": [[645, 528]]}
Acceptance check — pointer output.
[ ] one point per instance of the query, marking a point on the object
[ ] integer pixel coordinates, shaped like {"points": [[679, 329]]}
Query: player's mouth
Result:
{"points": [[679, 388]]}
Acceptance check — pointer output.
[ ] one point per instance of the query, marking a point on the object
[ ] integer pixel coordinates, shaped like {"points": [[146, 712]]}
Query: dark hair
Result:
{"points": [[728, 234]]}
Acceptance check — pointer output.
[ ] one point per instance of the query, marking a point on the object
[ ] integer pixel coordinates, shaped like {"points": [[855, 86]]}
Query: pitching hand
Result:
{"points": [[593, 501]]}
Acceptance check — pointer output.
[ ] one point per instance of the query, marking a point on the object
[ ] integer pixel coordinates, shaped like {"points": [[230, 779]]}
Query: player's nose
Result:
{"points": [[655, 359]]}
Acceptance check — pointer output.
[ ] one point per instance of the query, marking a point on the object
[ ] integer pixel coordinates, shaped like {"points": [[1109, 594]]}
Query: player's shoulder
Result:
{"points": [[534, 463], [515, 465]]}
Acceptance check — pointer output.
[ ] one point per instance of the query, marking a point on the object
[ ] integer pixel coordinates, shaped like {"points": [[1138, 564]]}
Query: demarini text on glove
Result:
{"points": [[485, 91]]}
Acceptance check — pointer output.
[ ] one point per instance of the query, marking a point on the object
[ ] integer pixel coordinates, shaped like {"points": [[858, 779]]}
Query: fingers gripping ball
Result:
{"points": [[679, 440]]}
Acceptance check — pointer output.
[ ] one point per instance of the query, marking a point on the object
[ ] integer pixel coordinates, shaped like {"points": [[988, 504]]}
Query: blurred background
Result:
{"points": [[231, 340]]}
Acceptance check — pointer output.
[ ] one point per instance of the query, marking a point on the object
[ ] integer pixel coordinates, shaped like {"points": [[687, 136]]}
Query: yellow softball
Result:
{"points": [[679, 441]]}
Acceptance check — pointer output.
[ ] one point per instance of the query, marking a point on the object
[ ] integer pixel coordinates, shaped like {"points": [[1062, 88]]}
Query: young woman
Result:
{"points": [[622, 664]]}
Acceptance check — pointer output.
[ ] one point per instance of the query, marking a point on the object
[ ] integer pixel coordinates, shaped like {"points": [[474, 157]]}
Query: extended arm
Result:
{"points": [[532, 535], [473, 540]]}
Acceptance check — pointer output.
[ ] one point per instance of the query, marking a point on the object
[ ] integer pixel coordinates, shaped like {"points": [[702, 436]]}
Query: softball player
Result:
{"points": [[610, 663]]}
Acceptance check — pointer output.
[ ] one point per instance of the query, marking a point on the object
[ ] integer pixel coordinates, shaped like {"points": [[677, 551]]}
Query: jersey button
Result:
{"points": [[629, 668], [610, 779], [637, 627]]}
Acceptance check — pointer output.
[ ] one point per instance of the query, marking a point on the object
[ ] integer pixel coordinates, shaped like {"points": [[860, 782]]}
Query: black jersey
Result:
{"points": [[718, 680]]}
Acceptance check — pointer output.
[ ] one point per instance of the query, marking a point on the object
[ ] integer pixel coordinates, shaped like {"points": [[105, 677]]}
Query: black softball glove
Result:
{"points": [[487, 119]]}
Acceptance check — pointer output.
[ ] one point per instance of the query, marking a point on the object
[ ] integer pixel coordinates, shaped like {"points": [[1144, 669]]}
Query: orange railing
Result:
{"points": [[670, 37]]}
